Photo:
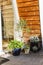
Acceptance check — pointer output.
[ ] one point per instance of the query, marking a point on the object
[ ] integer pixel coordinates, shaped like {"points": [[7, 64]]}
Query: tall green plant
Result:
{"points": [[23, 25]]}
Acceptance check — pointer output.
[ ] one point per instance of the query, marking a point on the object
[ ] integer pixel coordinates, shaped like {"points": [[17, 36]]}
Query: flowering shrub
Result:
{"points": [[34, 39]]}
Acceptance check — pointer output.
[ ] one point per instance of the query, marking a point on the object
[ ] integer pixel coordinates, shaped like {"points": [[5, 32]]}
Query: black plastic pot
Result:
{"points": [[16, 51], [37, 45]]}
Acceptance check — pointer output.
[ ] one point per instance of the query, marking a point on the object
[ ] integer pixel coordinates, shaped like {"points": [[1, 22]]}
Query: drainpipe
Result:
{"points": [[17, 35], [1, 49], [41, 17]]}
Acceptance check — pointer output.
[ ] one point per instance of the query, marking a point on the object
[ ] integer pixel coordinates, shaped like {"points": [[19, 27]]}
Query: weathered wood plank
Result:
{"points": [[31, 18], [33, 13], [20, 1], [34, 8], [32, 3]]}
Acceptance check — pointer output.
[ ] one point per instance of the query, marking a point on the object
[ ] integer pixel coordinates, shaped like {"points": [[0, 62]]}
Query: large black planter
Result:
{"points": [[32, 45], [16, 51]]}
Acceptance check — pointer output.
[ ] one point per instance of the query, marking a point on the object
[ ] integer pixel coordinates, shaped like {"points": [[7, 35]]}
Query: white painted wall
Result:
{"points": [[1, 49], [17, 35], [41, 17], [0, 33]]}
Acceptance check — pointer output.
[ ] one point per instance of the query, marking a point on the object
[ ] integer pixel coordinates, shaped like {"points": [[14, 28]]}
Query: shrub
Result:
{"points": [[13, 44]]}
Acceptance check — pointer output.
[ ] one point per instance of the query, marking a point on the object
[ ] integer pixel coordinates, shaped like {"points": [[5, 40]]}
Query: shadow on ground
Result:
{"points": [[3, 60], [30, 59]]}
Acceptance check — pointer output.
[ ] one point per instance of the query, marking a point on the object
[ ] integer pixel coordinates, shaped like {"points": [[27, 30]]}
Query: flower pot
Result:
{"points": [[34, 47], [27, 51], [16, 51]]}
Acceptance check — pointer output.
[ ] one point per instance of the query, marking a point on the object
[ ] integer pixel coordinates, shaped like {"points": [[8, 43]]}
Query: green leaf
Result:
{"points": [[27, 30], [15, 44]]}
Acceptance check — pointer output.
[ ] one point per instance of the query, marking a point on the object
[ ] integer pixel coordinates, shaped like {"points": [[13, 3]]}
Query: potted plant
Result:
{"points": [[26, 48], [15, 46], [22, 25], [34, 43]]}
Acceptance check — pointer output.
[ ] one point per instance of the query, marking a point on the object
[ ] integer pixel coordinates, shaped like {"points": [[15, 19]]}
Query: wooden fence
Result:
{"points": [[29, 10], [8, 18]]}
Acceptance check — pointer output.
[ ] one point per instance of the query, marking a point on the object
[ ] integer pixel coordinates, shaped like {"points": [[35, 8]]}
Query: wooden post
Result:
{"points": [[41, 17], [1, 49]]}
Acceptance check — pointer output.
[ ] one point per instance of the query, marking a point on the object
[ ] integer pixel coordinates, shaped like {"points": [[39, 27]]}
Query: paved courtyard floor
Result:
{"points": [[30, 59]]}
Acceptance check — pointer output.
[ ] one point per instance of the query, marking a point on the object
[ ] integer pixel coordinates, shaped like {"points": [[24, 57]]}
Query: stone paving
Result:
{"points": [[30, 59]]}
